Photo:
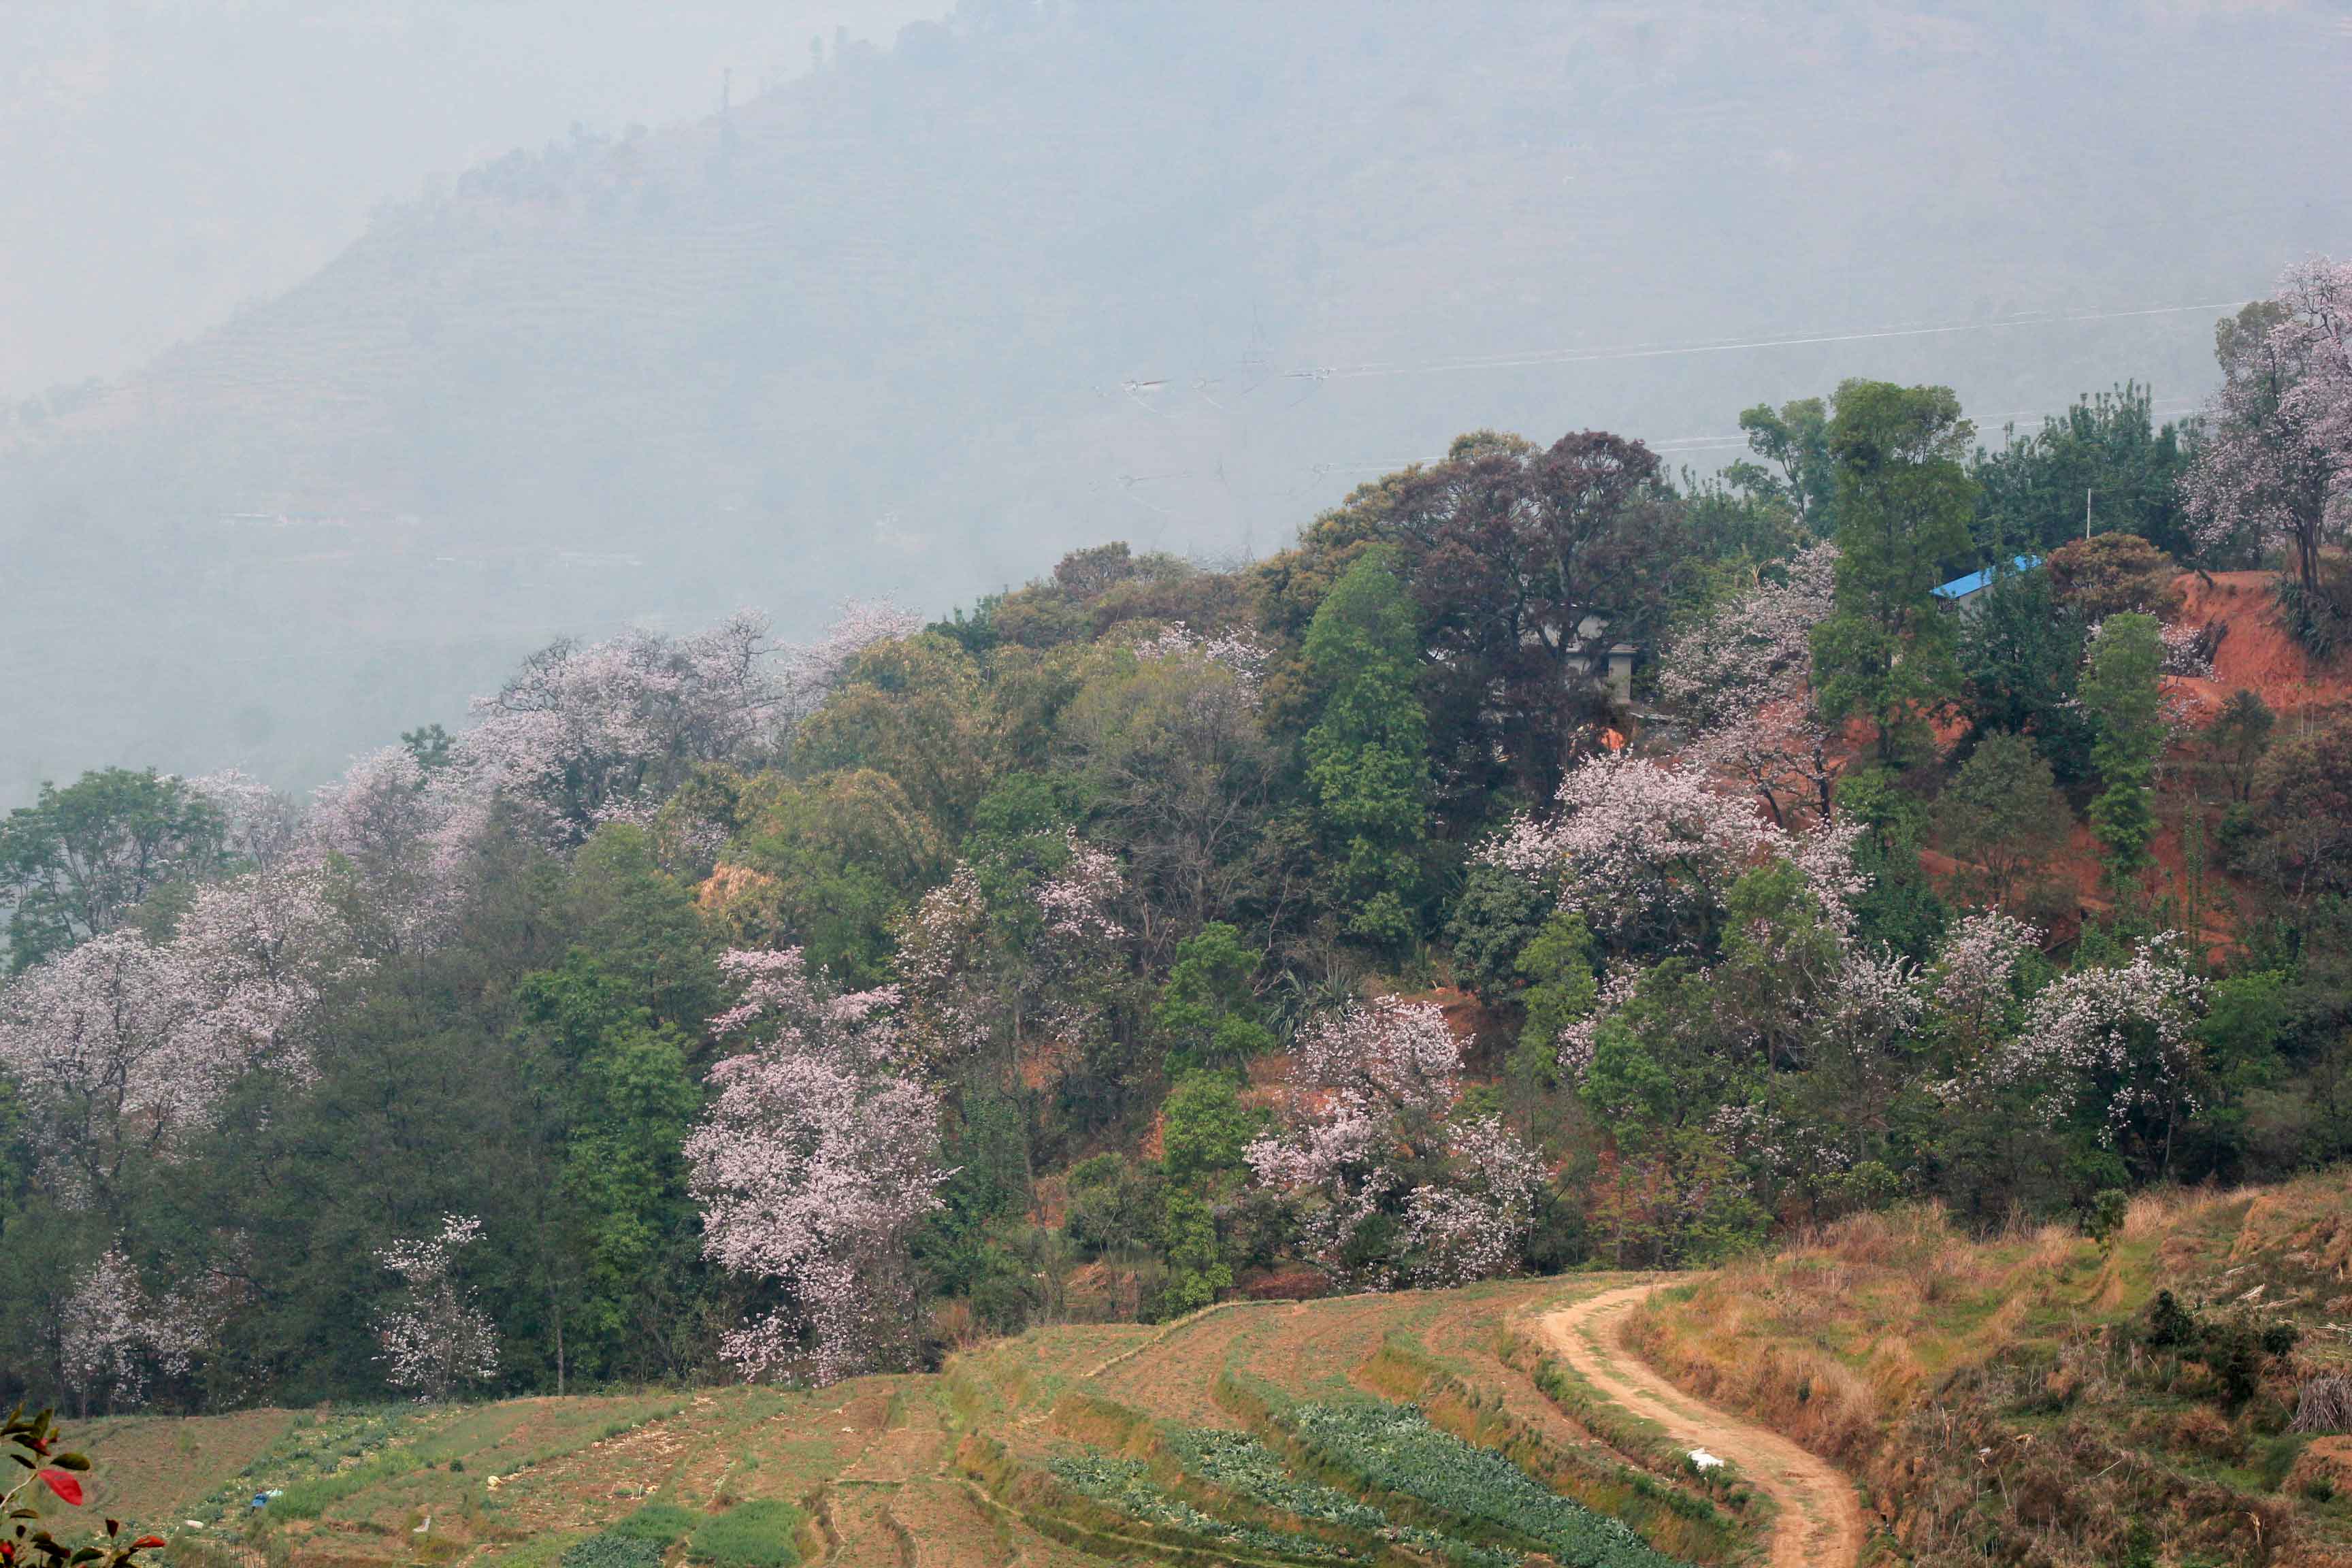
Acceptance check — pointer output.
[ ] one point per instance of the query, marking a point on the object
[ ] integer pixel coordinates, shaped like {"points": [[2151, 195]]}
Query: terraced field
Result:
{"points": [[1416, 1429]]}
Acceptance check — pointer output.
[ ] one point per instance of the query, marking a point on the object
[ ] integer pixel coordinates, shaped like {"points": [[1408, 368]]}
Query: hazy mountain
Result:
{"points": [[1175, 272], [171, 159]]}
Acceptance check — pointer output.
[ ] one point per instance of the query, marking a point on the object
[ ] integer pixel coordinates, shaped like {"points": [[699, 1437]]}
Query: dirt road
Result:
{"points": [[1819, 1523]]}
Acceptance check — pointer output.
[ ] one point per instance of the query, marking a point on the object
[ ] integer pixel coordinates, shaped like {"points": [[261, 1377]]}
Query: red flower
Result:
{"points": [[144, 1541], [65, 1483]]}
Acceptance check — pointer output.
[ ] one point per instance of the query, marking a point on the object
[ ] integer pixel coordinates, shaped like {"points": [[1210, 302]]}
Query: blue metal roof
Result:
{"points": [[1961, 587]]}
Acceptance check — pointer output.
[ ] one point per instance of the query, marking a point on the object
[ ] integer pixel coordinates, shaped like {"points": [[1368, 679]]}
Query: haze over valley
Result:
{"points": [[924, 314]]}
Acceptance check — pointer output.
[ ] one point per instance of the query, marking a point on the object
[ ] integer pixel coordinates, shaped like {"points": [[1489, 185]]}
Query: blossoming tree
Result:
{"points": [[2277, 465], [1744, 677], [592, 733], [434, 1339], [1400, 1190], [2117, 1045], [815, 1161]]}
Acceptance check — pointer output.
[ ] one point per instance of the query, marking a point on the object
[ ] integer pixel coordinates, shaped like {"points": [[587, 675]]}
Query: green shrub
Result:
{"points": [[756, 1534], [612, 1550], [660, 1522]]}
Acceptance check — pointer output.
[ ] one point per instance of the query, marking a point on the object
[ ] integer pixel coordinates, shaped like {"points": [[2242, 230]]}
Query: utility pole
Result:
{"points": [[2086, 514]]}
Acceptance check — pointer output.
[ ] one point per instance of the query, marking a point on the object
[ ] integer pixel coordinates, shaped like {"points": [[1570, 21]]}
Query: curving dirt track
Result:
{"points": [[1819, 1521]]}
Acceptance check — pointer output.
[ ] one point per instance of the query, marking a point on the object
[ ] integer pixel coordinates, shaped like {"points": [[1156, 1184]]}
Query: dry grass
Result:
{"points": [[1998, 1396]]}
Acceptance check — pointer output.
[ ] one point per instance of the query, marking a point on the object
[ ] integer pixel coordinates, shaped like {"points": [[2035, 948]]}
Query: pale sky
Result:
{"points": [[164, 162]]}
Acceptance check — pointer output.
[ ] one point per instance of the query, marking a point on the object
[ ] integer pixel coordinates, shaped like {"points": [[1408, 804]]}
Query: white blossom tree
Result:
{"points": [[2117, 1042], [1744, 679], [1974, 983], [1238, 654], [1369, 1131], [434, 1339], [587, 733], [1647, 852], [2277, 464], [817, 1158]]}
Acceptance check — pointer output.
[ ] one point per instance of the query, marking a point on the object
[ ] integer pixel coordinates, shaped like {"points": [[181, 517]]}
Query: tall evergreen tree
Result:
{"points": [[2122, 693], [1366, 756], [1904, 501]]}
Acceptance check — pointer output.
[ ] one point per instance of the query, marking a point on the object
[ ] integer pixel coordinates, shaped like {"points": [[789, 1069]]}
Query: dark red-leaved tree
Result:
{"points": [[1508, 549]]}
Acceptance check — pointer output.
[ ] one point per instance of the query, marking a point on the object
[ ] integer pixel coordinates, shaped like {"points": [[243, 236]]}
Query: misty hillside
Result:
{"points": [[1182, 273]]}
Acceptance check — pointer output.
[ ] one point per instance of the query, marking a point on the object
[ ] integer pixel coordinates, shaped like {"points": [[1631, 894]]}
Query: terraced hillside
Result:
{"points": [[2043, 1397], [1419, 1428]]}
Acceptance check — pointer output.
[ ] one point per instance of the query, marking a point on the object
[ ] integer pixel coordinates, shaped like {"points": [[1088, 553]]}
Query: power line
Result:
{"points": [[1742, 345]]}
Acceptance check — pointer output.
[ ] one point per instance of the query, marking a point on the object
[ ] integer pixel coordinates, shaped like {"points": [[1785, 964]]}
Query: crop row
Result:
{"points": [[1126, 1486], [1392, 1448], [1240, 1464]]}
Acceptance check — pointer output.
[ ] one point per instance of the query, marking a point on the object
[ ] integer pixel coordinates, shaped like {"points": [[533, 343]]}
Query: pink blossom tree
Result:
{"points": [[1637, 848], [102, 1331], [399, 834], [262, 827], [1647, 852], [434, 1339], [1744, 679], [945, 965], [114, 1335], [2114, 1042], [2276, 463], [101, 1043], [978, 973], [1369, 1131], [1241, 656], [814, 1163], [258, 954], [124, 1046], [586, 733]]}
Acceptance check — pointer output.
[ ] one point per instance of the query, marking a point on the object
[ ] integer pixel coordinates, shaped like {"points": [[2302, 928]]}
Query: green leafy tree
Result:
{"points": [[1169, 755], [614, 1100], [1904, 501], [2106, 455], [2122, 692], [2113, 573], [2238, 738], [2022, 660], [1557, 964], [641, 926], [915, 710], [2305, 786], [1497, 914], [832, 864], [80, 861], [1663, 1067], [1795, 440], [1366, 756], [2002, 812], [1204, 1128], [1209, 1009], [1899, 908]]}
